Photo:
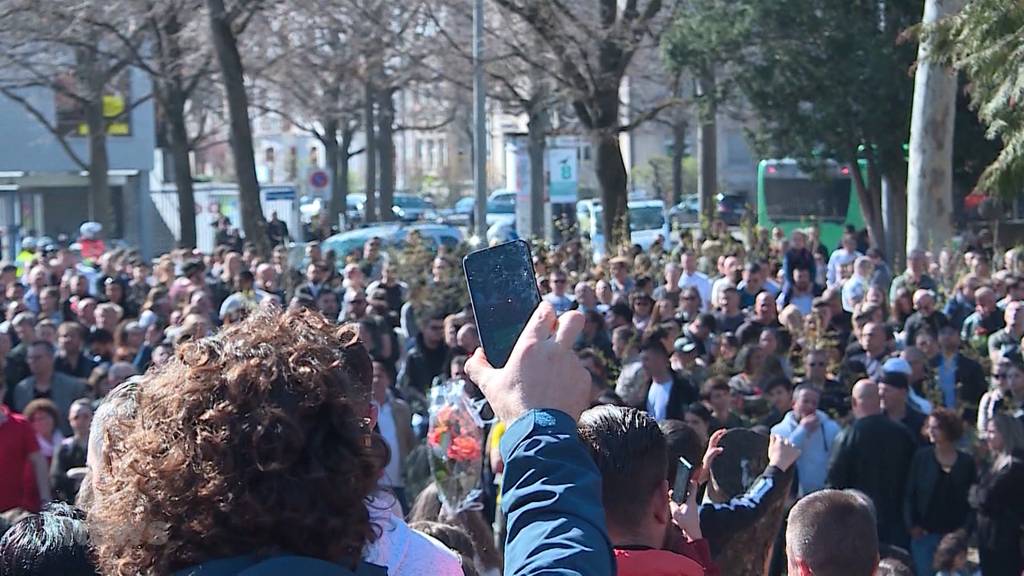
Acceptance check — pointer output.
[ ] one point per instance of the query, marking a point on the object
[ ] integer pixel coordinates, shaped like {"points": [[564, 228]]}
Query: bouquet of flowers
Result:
{"points": [[455, 439]]}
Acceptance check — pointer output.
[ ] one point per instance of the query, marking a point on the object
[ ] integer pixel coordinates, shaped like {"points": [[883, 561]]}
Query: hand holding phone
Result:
{"points": [[503, 289], [542, 372], [681, 485]]}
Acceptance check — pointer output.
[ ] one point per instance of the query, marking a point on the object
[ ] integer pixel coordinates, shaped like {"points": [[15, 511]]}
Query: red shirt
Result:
{"points": [[17, 443], [655, 563]]}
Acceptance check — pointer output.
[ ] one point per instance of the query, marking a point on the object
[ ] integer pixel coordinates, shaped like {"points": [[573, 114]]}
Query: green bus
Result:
{"points": [[790, 198]]}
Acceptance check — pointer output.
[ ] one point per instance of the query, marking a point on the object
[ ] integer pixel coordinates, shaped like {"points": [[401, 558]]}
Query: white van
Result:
{"points": [[647, 222]]}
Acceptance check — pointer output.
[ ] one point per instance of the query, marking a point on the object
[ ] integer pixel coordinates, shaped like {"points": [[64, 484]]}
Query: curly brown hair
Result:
{"points": [[250, 442]]}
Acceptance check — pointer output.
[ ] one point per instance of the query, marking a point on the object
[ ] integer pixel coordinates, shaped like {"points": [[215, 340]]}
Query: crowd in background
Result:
{"points": [[906, 385]]}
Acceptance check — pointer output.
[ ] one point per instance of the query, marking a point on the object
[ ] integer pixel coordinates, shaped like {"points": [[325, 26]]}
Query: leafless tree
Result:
{"points": [[309, 74], [59, 48], [176, 55], [227, 20], [593, 43]]}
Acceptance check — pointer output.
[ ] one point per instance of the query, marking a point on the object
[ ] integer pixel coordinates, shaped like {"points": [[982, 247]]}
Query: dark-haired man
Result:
{"points": [[813, 432], [46, 383], [631, 454], [668, 394], [71, 359], [831, 533], [426, 359]]}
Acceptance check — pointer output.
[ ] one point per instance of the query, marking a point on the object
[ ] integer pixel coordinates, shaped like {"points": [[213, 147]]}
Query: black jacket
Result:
{"points": [[70, 454], [918, 322], [873, 455], [971, 384], [83, 368], [683, 394], [720, 522], [423, 365], [1000, 504], [924, 473]]}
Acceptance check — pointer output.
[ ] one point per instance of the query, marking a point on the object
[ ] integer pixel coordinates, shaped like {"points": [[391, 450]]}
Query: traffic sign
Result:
{"points": [[319, 179]]}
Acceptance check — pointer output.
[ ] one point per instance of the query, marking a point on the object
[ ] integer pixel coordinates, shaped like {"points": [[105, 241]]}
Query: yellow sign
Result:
{"points": [[113, 106]]}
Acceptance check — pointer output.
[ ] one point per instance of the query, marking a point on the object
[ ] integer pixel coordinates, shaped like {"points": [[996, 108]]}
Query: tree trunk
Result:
{"points": [[347, 134], [707, 150], [178, 136], [386, 152], [336, 202], [679, 127], [226, 46], [537, 127], [868, 199], [897, 218], [370, 126], [930, 184], [611, 179], [101, 204]]}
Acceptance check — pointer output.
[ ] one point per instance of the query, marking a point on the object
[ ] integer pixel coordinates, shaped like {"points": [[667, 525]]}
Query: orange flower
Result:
{"points": [[464, 449], [436, 435]]}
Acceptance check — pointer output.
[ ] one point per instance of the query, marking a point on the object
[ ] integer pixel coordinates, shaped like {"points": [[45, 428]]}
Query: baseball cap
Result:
{"points": [[897, 365], [684, 345], [896, 379]]}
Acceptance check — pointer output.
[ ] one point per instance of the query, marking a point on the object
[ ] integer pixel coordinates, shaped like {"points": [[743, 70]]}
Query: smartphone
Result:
{"points": [[503, 289], [681, 486]]}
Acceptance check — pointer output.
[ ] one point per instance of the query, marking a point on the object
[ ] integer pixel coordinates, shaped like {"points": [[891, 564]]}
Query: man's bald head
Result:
{"points": [[866, 401]]}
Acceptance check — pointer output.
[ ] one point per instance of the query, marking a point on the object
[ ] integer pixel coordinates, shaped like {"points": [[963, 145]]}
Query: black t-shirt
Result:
{"points": [[948, 507]]}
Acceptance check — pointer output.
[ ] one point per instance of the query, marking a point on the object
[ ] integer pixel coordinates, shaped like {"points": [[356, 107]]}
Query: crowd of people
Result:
{"points": [[231, 413]]}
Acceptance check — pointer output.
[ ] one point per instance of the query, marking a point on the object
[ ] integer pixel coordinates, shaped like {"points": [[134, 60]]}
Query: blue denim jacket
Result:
{"points": [[551, 496]]}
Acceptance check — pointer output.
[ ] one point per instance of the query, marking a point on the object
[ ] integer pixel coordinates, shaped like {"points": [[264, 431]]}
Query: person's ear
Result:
{"points": [[660, 506]]}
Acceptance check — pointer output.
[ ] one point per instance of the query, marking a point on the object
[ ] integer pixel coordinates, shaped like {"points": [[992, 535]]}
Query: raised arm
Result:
{"points": [[551, 487]]}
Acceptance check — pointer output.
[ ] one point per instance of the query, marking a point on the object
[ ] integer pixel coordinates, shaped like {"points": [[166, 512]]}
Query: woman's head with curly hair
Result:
{"points": [[250, 442]]}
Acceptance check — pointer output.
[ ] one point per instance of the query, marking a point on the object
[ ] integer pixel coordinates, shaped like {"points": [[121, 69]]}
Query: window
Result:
{"points": [[803, 198]]}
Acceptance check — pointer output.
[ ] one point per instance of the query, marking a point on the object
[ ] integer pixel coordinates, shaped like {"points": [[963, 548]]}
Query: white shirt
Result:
{"points": [[841, 257], [404, 551], [386, 423], [702, 283], [854, 291], [657, 399], [561, 304]]}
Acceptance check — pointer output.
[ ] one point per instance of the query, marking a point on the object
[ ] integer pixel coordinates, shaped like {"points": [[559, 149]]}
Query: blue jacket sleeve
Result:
{"points": [[552, 500]]}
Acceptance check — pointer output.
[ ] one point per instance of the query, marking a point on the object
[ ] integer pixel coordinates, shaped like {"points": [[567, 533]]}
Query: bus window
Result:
{"points": [[796, 198]]}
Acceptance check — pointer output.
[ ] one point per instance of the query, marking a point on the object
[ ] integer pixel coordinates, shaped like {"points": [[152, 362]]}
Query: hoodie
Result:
{"points": [[815, 449]]}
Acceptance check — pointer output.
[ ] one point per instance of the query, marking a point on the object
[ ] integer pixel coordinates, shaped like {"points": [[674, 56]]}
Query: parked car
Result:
{"points": [[412, 208], [501, 208], [406, 207], [731, 208], [392, 235], [647, 222], [687, 212]]}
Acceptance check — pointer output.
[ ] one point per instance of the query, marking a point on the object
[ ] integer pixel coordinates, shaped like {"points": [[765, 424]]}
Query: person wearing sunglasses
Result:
{"points": [[834, 397], [1006, 393]]}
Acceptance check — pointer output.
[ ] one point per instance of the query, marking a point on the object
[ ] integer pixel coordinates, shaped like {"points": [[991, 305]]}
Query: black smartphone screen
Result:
{"points": [[681, 486], [503, 289]]}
